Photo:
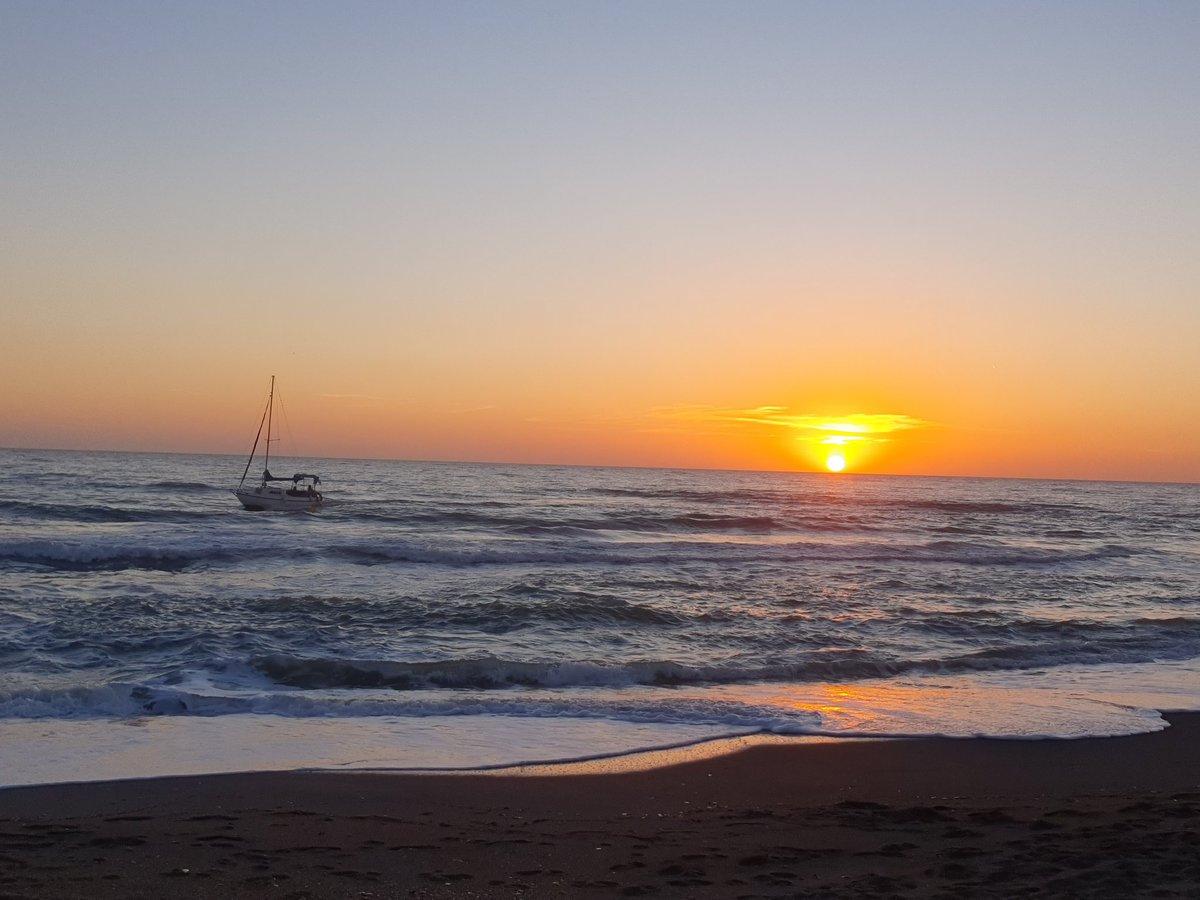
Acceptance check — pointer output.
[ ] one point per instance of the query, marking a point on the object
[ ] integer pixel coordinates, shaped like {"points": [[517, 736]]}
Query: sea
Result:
{"points": [[451, 616]]}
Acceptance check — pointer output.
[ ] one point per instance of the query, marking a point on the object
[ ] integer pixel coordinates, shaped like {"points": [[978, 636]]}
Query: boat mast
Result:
{"points": [[270, 406], [265, 418]]}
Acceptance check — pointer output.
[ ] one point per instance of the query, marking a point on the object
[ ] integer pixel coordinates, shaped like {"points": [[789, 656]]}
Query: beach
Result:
{"points": [[930, 817]]}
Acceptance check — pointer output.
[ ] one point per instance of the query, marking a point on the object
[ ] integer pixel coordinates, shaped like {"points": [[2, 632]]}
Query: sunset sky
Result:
{"points": [[962, 238]]}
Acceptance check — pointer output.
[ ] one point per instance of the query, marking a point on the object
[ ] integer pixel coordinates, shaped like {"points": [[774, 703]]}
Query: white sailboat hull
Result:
{"points": [[277, 499]]}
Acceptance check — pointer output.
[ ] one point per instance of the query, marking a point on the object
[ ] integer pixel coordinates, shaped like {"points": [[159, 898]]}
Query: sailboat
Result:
{"points": [[298, 492]]}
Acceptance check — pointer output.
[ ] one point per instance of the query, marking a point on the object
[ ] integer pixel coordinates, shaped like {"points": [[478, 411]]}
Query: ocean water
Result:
{"points": [[444, 616]]}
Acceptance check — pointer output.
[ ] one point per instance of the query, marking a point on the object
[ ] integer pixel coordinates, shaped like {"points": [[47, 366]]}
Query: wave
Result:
{"points": [[803, 495], [512, 521], [492, 674], [581, 639], [523, 606], [128, 552], [124, 700], [697, 495], [297, 687], [100, 513], [979, 507], [197, 487], [96, 556], [974, 553]]}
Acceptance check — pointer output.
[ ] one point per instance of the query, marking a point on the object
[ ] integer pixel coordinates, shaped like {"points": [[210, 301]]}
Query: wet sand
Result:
{"points": [[1116, 817]]}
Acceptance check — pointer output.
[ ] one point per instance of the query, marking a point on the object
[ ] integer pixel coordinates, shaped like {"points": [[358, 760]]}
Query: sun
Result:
{"points": [[835, 462]]}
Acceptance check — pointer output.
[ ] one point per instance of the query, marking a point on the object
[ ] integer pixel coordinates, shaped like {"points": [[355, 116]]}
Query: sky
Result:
{"points": [[924, 238]]}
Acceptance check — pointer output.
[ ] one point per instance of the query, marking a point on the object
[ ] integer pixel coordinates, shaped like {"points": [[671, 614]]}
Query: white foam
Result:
{"points": [[463, 729]]}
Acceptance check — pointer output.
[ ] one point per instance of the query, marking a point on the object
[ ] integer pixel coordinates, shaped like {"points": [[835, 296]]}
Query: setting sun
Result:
{"points": [[835, 462]]}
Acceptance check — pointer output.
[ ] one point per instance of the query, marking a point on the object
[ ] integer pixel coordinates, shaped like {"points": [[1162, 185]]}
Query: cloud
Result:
{"points": [[849, 428]]}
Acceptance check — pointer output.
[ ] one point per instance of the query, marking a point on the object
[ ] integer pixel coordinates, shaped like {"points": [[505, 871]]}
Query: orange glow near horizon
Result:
{"points": [[853, 442], [337, 417], [329, 420], [825, 443]]}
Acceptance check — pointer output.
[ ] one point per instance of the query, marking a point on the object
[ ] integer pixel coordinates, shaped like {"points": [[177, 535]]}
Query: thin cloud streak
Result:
{"points": [[829, 429]]}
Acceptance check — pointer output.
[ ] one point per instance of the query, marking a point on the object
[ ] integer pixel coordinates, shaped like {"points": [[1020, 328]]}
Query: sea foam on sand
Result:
{"points": [[1073, 703]]}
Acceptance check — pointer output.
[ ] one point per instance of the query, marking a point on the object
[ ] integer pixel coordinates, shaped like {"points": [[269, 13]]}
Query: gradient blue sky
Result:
{"points": [[523, 230]]}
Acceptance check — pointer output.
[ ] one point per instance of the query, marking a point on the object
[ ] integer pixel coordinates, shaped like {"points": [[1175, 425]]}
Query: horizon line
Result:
{"points": [[482, 462]]}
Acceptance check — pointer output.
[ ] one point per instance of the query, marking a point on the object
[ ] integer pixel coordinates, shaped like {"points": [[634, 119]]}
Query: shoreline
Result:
{"points": [[1116, 816]]}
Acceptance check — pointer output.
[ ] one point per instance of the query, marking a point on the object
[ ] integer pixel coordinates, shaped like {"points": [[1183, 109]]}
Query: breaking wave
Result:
{"points": [[132, 552]]}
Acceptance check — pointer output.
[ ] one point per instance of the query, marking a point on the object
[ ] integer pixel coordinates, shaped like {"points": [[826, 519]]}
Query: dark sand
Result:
{"points": [[1117, 817]]}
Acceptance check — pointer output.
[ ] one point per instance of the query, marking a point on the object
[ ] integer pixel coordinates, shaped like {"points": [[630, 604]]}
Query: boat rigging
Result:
{"points": [[302, 494]]}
